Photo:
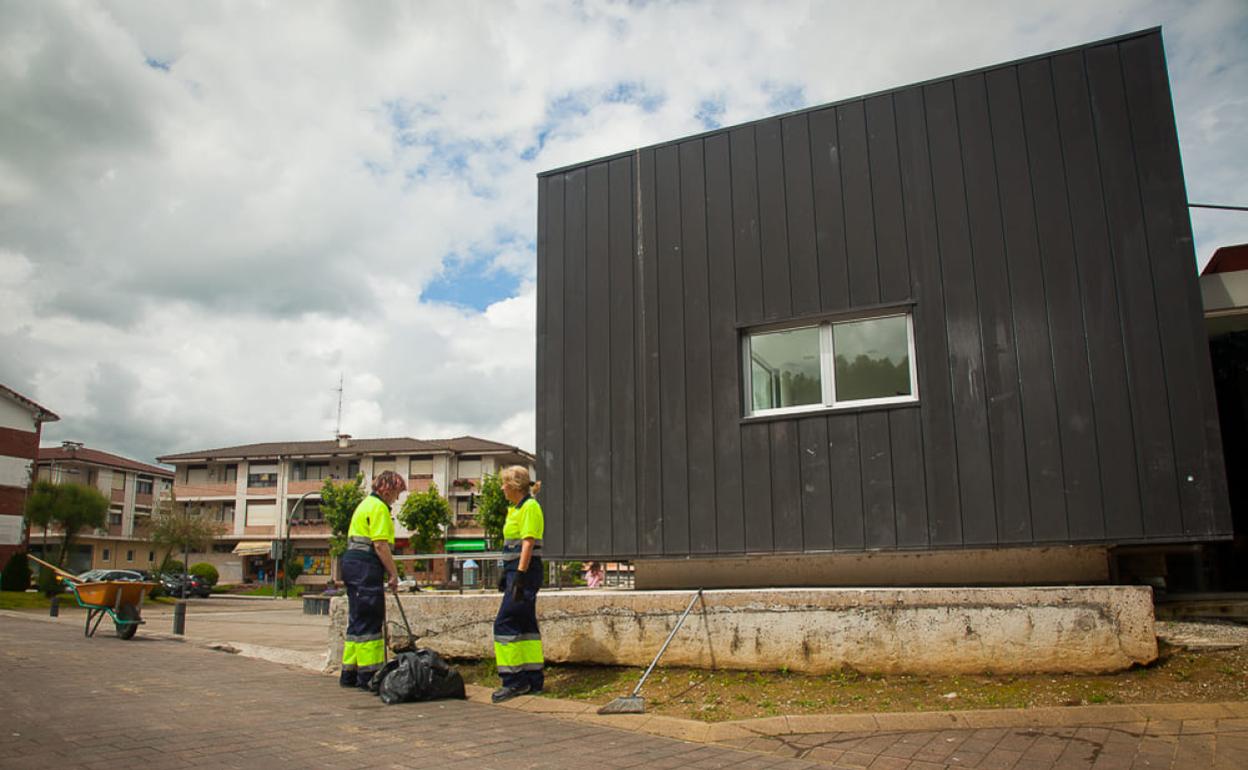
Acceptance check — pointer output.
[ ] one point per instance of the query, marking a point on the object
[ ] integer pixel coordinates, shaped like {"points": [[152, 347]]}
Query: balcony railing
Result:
{"points": [[303, 487], [464, 486], [192, 491]]}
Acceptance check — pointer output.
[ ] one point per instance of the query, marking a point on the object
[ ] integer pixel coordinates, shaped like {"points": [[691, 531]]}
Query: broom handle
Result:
{"points": [[66, 575], [663, 649]]}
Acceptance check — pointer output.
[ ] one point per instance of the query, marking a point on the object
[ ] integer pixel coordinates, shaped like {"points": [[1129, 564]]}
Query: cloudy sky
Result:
{"points": [[209, 211]]}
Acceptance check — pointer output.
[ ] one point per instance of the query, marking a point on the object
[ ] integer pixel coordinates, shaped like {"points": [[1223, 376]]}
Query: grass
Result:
{"points": [[26, 600], [712, 696], [293, 593]]}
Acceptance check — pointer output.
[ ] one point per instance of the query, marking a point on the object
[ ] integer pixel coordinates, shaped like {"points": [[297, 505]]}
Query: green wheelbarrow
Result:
{"points": [[120, 600]]}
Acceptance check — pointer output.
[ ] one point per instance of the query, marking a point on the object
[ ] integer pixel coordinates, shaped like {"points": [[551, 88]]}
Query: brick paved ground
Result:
{"points": [[167, 704], [74, 702], [1180, 736]]}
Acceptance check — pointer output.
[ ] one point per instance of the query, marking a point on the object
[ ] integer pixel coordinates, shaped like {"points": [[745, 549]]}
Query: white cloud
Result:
{"points": [[208, 211]]}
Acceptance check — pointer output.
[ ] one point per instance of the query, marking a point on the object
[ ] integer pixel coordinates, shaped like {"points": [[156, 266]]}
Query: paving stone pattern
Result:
{"points": [[72, 702], [1186, 744]]}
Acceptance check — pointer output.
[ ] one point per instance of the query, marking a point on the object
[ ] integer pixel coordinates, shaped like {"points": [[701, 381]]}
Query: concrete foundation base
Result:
{"points": [[1050, 565], [913, 630]]}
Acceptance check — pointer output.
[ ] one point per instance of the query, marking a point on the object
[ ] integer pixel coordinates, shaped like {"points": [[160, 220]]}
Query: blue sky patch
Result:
{"points": [[473, 281], [157, 64], [710, 113], [785, 97]]}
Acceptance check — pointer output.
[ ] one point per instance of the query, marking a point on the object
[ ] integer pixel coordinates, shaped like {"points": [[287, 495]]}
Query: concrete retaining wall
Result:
{"points": [[915, 630]]}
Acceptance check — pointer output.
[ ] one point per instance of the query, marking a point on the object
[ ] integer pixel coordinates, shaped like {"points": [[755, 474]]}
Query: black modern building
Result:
{"points": [[960, 314]]}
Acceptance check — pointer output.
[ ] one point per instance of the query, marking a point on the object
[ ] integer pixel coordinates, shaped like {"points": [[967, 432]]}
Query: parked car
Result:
{"points": [[194, 585]]}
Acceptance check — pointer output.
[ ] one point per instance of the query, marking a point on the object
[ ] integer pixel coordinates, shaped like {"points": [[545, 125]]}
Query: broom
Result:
{"points": [[635, 704]]}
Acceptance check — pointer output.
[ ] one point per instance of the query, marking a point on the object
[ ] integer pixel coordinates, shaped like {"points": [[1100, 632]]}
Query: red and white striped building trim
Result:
{"points": [[21, 425]]}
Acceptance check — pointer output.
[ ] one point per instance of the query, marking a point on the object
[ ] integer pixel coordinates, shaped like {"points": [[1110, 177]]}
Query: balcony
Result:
{"points": [[296, 488], [314, 528], [118, 496], [464, 486], [266, 529], [419, 482], [143, 500], [195, 491]]}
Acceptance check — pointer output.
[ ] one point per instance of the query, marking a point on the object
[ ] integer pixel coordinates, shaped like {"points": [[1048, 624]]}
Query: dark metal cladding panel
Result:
{"points": [[551, 451], [880, 521], [847, 511], [575, 469], [725, 349], [864, 266], [1071, 374], [786, 486], [747, 246], [1032, 217], [939, 453], [909, 485], [621, 250], [992, 282], [1029, 297], [890, 224], [812, 446], [699, 417], [541, 411], [1129, 247], [598, 513], [1110, 392], [756, 487], [829, 211], [649, 376], [773, 227], [672, 429], [799, 195], [1193, 407], [965, 362]]}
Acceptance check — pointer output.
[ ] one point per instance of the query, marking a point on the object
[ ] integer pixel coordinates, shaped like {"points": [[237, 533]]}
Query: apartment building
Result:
{"points": [[21, 423], [260, 493], [132, 488]]}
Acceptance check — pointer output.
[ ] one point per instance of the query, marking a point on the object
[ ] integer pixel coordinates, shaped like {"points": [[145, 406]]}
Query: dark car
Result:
{"points": [[190, 585]]}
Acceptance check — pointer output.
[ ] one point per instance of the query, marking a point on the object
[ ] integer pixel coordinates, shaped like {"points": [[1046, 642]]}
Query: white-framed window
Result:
{"points": [[830, 364]]}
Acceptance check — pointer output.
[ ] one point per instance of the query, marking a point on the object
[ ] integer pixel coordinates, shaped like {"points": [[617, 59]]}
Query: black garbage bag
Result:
{"points": [[418, 676]]}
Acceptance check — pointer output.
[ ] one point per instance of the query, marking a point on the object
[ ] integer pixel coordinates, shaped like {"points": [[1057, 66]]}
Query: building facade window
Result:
{"points": [[114, 518], [106, 555], [229, 474], [151, 556], [262, 476], [311, 471], [353, 469], [143, 485], [830, 365], [129, 555]]}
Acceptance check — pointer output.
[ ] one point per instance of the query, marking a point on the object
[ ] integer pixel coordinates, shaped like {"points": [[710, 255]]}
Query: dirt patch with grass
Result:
{"points": [[1178, 675]]}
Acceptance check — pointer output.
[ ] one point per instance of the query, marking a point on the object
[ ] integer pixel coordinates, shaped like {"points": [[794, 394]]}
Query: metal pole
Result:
{"points": [[179, 617]]}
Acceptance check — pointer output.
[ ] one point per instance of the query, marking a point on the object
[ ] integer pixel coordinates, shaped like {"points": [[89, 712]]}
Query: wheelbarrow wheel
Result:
{"points": [[127, 612]]}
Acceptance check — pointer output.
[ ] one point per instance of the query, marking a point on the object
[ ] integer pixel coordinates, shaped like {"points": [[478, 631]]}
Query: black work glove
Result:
{"points": [[517, 588]]}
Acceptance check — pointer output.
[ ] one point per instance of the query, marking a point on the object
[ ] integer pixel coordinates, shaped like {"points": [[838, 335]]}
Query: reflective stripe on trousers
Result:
{"points": [[517, 639], [363, 650]]}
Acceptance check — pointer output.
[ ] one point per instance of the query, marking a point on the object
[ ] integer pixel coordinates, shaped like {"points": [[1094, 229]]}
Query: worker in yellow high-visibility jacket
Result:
{"points": [[517, 639], [365, 565]]}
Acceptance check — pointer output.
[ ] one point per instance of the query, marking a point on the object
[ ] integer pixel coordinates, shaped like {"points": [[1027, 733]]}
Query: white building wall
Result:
{"points": [[15, 416]]}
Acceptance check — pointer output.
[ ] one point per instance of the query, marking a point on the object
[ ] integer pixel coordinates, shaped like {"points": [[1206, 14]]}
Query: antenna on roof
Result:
{"points": [[338, 425]]}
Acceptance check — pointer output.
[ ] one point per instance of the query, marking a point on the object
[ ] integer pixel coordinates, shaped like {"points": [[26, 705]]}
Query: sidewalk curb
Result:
{"points": [[1139, 715]]}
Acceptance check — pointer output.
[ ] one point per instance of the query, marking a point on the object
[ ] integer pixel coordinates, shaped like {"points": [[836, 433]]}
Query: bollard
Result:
{"points": [[179, 617], [54, 609]]}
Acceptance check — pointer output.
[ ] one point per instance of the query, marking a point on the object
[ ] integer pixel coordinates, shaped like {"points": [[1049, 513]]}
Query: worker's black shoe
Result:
{"points": [[507, 693]]}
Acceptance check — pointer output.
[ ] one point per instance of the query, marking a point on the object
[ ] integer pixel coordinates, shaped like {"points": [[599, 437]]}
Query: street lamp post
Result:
{"points": [[285, 542]]}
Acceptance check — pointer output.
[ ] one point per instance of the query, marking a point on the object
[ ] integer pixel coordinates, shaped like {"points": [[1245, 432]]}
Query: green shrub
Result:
{"points": [[207, 572], [49, 583], [171, 567], [16, 574]]}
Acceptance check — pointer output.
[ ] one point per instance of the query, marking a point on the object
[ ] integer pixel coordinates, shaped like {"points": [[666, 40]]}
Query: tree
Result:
{"points": [[426, 514], [71, 507], [180, 528], [492, 507], [338, 502], [16, 573]]}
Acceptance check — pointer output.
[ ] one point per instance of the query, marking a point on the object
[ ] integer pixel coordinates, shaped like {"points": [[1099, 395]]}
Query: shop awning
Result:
{"points": [[254, 548], [458, 546]]}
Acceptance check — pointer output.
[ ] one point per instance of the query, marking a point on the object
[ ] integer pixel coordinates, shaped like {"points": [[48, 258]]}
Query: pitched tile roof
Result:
{"points": [[96, 457], [401, 445], [41, 412]]}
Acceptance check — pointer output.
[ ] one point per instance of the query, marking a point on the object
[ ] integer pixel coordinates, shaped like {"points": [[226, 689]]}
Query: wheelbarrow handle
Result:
{"points": [[62, 573]]}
